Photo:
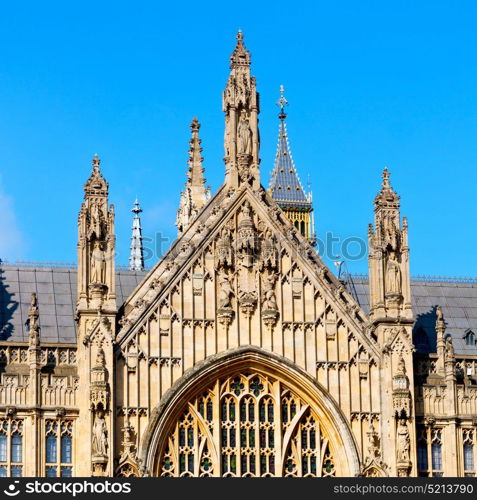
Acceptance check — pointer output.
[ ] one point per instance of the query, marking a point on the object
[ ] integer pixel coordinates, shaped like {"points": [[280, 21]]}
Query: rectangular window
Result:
{"points": [[50, 471], [17, 440], [3, 471], [468, 457], [67, 472], [422, 463], [51, 448], [437, 456], [3, 447], [17, 471], [66, 449]]}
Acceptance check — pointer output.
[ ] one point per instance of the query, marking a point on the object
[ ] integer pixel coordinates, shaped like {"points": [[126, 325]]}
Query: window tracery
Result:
{"points": [[247, 425]]}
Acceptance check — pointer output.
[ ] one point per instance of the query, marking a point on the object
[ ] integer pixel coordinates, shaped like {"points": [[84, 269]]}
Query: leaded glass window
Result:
{"points": [[11, 447], [468, 437], [58, 447], [247, 425]]}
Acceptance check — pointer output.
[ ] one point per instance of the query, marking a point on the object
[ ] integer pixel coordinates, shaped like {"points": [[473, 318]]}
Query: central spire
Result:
{"points": [[285, 185], [241, 108]]}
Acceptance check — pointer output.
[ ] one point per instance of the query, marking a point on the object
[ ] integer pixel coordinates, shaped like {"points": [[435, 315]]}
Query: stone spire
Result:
{"points": [[195, 195], [285, 185], [136, 259], [390, 291], [241, 107]]}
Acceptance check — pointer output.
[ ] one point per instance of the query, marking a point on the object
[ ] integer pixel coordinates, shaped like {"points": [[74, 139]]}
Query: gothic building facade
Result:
{"points": [[239, 353]]}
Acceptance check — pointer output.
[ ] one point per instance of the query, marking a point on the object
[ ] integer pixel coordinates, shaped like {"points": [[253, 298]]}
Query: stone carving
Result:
{"points": [[403, 443], [98, 264], [225, 292], [33, 316], [244, 135], [100, 436], [270, 301], [269, 305], [224, 252], [393, 275]]}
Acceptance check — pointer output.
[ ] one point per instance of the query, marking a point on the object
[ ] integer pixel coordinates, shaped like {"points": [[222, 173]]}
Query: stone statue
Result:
{"points": [[244, 136], [225, 292], [100, 439], [401, 366], [270, 301], [393, 275], [439, 314], [403, 442], [95, 223], [100, 357], [98, 264]]}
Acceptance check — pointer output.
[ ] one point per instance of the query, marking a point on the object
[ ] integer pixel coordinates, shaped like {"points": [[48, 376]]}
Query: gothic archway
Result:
{"points": [[248, 413]]}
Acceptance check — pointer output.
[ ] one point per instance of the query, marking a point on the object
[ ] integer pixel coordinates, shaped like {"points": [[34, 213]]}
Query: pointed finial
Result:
{"points": [[281, 103], [385, 175], [136, 209], [240, 56], [195, 125], [96, 161]]}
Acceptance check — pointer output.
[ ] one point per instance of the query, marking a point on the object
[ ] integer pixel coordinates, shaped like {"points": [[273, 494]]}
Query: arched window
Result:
{"points": [[436, 452], [468, 439], [247, 425], [59, 448]]}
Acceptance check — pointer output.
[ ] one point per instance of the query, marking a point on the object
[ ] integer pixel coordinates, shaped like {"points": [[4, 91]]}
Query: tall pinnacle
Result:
{"points": [[386, 197], [136, 259], [195, 195], [240, 103], [285, 185]]}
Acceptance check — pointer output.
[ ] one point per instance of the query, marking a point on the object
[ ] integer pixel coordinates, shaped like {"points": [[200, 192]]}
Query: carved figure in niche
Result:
{"points": [[270, 301], [244, 135], [393, 274], [100, 435], [403, 442], [98, 264], [268, 251], [224, 249], [401, 366], [390, 233], [100, 357], [225, 292], [96, 217]]}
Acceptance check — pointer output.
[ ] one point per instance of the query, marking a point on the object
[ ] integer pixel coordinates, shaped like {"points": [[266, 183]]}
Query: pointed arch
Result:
{"points": [[300, 428]]}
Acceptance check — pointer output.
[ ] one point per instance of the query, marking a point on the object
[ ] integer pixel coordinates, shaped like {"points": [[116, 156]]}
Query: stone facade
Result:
{"points": [[239, 353]]}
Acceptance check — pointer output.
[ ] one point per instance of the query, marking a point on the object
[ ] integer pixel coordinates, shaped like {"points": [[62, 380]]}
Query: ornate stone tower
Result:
{"points": [[392, 319], [96, 316], [136, 259], [390, 288], [195, 194], [241, 108], [285, 186]]}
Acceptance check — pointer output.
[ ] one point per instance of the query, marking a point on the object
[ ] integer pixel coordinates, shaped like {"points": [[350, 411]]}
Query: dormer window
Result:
{"points": [[469, 337]]}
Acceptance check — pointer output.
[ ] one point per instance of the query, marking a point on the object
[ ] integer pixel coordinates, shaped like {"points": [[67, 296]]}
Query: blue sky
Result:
{"points": [[369, 84]]}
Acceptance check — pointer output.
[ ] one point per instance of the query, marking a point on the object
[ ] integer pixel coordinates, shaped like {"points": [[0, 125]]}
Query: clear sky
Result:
{"points": [[369, 84]]}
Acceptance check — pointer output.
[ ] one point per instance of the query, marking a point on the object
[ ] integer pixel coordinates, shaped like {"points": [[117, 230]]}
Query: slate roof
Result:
{"points": [[458, 299], [56, 292]]}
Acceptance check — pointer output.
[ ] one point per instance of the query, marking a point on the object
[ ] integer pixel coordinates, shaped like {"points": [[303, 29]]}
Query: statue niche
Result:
{"points": [[100, 436], [244, 135], [98, 263]]}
